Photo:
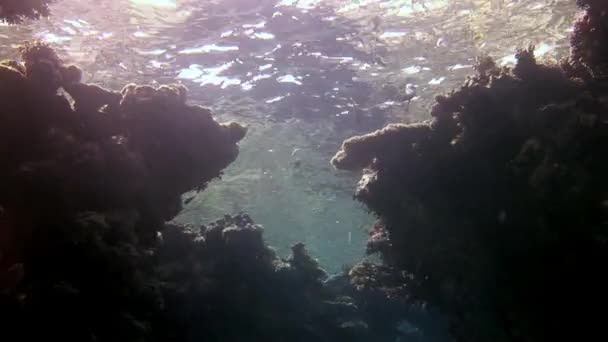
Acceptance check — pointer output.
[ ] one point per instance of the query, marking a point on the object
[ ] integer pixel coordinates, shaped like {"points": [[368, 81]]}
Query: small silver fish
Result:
{"points": [[441, 42]]}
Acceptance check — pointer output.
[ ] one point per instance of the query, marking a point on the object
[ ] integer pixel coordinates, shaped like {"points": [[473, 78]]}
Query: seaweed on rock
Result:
{"points": [[496, 207], [14, 11]]}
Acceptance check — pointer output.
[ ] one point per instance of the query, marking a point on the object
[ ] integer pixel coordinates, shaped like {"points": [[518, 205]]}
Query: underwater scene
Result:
{"points": [[303, 170]]}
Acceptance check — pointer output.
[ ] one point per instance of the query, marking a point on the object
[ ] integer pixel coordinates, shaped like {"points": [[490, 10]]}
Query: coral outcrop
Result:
{"points": [[225, 284], [495, 209], [14, 11], [89, 177], [588, 43]]}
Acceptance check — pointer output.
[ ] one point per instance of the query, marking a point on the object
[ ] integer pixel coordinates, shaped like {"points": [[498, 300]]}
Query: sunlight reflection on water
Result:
{"points": [[209, 76], [156, 3], [208, 48]]}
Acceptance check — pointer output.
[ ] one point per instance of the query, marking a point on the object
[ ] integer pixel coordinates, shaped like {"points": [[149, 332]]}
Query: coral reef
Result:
{"points": [[14, 11], [89, 177], [227, 285], [588, 43], [494, 210], [222, 283]]}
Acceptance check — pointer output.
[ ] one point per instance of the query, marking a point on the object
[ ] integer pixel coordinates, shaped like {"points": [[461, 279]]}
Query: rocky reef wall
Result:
{"points": [[495, 209], [89, 178]]}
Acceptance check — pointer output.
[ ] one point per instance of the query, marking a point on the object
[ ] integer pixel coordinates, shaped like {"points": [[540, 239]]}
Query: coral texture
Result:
{"points": [[589, 53], [495, 209], [227, 285], [88, 180], [89, 177]]}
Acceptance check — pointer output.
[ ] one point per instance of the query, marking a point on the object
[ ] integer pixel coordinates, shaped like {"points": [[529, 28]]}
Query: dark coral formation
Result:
{"points": [[589, 53], [495, 210], [227, 285], [89, 177], [222, 283], [14, 11]]}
